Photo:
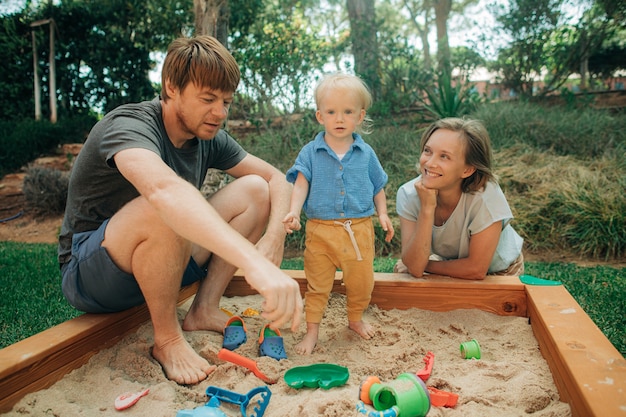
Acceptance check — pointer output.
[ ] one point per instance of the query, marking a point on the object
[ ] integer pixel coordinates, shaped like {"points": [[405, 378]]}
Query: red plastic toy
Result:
{"points": [[438, 398]]}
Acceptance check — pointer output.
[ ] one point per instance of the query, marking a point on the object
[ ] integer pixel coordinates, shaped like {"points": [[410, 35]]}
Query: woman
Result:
{"points": [[454, 217]]}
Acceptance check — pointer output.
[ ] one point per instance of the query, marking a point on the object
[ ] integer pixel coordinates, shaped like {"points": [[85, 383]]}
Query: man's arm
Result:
{"points": [[272, 244], [186, 211]]}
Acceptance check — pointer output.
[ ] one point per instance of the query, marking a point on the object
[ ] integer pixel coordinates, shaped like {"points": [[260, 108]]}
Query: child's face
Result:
{"points": [[340, 111], [442, 162]]}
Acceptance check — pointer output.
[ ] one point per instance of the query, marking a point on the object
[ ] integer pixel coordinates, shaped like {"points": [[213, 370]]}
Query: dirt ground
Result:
{"points": [[20, 223]]}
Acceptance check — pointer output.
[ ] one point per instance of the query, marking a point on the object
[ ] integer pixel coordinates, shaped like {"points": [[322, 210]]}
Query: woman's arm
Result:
{"points": [[481, 249], [417, 242], [417, 235]]}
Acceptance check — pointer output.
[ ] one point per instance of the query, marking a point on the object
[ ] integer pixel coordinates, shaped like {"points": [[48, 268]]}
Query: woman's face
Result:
{"points": [[442, 162]]}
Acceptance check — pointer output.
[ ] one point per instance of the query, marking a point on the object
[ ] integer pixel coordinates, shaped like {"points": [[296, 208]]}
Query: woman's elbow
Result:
{"points": [[476, 273], [413, 268]]}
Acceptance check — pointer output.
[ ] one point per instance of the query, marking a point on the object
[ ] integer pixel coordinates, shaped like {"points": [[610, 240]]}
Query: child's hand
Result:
{"points": [[291, 222], [387, 226]]}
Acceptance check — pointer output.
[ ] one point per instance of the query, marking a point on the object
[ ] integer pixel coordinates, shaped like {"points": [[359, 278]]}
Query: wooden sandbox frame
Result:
{"points": [[589, 372]]}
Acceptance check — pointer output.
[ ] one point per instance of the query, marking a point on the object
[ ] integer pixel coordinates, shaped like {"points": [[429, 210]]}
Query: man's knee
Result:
{"points": [[253, 191], [258, 188]]}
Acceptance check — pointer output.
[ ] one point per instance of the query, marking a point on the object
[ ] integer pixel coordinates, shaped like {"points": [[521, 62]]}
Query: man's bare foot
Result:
{"points": [[362, 328], [181, 363], [306, 346], [197, 319]]}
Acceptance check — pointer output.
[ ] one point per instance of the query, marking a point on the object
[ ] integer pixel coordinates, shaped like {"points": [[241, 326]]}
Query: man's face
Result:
{"points": [[201, 112]]}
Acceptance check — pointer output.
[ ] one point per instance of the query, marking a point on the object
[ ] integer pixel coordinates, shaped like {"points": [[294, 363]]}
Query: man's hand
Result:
{"points": [[281, 293]]}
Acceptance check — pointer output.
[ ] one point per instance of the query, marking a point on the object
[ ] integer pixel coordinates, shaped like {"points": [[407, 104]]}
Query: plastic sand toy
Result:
{"points": [[320, 375], [129, 399], [237, 359], [210, 409], [215, 394], [429, 361], [406, 396], [470, 350]]}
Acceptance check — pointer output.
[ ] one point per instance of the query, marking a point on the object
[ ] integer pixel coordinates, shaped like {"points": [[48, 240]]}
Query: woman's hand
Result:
{"points": [[427, 196]]}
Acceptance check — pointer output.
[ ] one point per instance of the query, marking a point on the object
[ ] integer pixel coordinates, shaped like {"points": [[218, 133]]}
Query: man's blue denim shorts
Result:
{"points": [[94, 284]]}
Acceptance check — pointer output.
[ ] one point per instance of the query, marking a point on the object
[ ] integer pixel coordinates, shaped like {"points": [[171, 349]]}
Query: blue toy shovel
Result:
{"points": [[215, 394]]}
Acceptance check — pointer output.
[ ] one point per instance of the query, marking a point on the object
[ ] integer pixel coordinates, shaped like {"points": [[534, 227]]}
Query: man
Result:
{"points": [[136, 226]]}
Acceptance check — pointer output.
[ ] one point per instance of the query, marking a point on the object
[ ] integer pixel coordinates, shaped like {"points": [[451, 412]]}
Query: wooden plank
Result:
{"points": [[39, 361], [500, 295], [588, 370]]}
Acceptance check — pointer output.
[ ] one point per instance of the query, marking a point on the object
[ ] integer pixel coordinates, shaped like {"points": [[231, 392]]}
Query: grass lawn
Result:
{"points": [[32, 301]]}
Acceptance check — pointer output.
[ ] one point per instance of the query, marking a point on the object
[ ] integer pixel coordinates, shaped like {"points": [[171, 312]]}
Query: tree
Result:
{"points": [[278, 55], [424, 9], [546, 45], [211, 18], [529, 24], [16, 71], [363, 28], [103, 51], [442, 12]]}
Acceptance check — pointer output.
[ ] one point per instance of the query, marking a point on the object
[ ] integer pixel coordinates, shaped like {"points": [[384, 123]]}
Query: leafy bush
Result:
{"points": [[447, 100], [22, 142]]}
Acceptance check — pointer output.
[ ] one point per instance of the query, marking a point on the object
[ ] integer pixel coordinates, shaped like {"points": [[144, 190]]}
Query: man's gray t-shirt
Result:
{"points": [[97, 190]]}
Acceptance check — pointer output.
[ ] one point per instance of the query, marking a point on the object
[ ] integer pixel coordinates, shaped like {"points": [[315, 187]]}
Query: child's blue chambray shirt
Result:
{"points": [[339, 189]]}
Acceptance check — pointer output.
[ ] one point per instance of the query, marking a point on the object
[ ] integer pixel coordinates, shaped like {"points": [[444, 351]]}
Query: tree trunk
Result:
{"points": [[442, 12], [424, 8], [364, 42], [211, 18]]}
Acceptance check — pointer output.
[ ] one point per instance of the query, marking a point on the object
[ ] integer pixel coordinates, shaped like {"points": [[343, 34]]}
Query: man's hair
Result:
{"points": [[201, 60], [352, 82], [477, 149]]}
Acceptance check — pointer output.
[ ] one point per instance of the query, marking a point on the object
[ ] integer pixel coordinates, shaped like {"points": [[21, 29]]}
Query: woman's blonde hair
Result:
{"points": [[354, 83], [201, 60], [477, 149]]}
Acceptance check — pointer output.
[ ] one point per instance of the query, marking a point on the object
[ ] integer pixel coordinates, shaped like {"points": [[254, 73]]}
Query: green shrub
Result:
{"points": [[22, 142], [447, 100], [585, 133]]}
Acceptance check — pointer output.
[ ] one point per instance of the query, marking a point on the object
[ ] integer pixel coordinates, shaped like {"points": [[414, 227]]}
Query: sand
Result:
{"points": [[510, 379]]}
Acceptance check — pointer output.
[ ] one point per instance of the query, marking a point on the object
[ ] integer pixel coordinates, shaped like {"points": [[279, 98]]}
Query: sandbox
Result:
{"points": [[589, 373]]}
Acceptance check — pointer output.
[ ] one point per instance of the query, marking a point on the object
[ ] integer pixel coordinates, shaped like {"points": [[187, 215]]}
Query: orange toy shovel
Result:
{"points": [[237, 359]]}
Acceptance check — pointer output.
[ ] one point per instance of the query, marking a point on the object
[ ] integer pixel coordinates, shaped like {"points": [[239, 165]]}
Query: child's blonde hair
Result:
{"points": [[352, 82]]}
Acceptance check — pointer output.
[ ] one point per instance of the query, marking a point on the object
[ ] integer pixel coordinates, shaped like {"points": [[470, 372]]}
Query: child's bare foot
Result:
{"points": [[362, 328], [306, 346], [181, 363]]}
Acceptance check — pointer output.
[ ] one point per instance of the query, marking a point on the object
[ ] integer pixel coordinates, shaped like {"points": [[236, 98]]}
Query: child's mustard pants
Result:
{"points": [[329, 246]]}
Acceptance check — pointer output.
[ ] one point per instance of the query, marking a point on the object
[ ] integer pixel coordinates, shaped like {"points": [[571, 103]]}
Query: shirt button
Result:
{"points": [[340, 168], [342, 214]]}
